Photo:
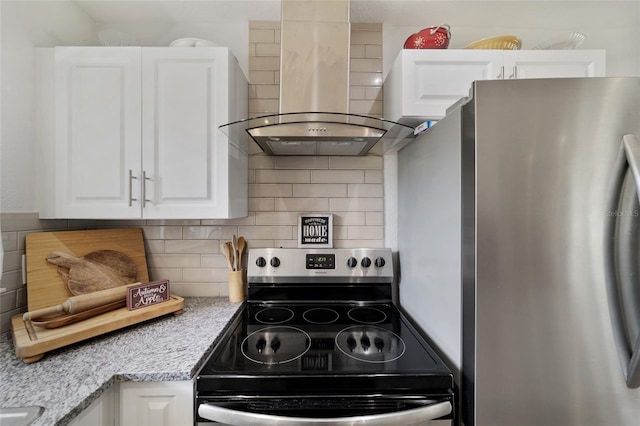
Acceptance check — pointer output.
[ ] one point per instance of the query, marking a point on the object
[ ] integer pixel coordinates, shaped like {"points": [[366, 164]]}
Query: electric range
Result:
{"points": [[319, 341]]}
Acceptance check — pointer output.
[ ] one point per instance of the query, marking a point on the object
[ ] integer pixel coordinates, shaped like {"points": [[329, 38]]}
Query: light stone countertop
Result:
{"points": [[67, 380]]}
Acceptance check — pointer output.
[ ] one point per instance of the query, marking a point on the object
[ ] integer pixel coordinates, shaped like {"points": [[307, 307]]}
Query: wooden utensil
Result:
{"points": [[81, 303], [234, 243], [225, 248], [242, 244], [62, 320], [95, 271]]}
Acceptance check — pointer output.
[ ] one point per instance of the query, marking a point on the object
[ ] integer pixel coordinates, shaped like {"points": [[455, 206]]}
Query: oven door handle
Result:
{"points": [[415, 416]]}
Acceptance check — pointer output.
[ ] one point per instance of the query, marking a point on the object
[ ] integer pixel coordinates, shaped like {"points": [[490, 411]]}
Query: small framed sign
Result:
{"points": [[315, 230], [147, 294]]}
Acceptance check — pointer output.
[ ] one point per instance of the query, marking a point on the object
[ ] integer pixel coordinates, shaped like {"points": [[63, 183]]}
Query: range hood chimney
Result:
{"points": [[314, 114]]}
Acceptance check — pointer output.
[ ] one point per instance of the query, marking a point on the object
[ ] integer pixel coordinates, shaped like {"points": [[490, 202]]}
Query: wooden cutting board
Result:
{"points": [[45, 287]]}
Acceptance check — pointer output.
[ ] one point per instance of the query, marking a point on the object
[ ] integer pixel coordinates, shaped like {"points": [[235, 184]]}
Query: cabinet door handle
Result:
{"points": [[501, 75], [514, 74], [144, 189], [131, 178]]}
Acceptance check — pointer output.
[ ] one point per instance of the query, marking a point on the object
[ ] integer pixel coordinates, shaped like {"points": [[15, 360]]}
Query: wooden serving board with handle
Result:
{"points": [[47, 339], [47, 287]]}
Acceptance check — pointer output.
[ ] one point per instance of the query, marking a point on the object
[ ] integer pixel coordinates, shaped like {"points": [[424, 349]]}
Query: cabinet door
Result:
{"points": [[156, 404], [185, 156], [436, 79], [554, 63], [97, 143], [102, 412]]}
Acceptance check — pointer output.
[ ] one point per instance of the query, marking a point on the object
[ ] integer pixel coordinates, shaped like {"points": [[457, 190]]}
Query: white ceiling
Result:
{"points": [[540, 13]]}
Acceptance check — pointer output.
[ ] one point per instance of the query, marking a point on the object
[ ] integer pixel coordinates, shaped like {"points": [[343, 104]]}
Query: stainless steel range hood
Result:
{"points": [[314, 90]]}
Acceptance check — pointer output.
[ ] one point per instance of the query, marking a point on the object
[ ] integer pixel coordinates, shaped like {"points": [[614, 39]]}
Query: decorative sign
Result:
{"points": [[315, 230], [147, 294]]}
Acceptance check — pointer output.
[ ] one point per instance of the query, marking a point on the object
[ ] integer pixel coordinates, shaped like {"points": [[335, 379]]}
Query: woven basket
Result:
{"points": [[504, 42]]}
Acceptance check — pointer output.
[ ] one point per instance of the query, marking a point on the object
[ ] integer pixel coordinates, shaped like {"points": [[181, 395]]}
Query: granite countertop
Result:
{"points": [[69, 379]]}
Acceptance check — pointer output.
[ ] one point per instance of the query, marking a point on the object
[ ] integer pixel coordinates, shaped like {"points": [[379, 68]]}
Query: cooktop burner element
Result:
{"points": [[274, 315], [320, 316], [370, 344], [367, 315], [276, 345]]}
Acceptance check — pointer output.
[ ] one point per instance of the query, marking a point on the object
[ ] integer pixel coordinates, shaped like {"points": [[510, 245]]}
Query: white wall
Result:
{"points": [[27, 24]]}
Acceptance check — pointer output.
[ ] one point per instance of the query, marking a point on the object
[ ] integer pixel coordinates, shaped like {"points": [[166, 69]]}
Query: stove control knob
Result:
{"points": [[366, 262], [275, 262], [380, 262], [352, 262], [261, 262]]}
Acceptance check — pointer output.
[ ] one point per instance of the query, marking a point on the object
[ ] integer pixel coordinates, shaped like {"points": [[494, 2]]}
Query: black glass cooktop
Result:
{"points": [[314, 343]]}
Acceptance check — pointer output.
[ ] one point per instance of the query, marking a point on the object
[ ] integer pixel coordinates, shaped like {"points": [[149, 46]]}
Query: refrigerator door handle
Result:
{"points": [[621, 288]]}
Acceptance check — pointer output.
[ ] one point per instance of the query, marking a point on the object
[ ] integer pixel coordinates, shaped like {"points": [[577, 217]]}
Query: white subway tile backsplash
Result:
{"points": [[270, 190], [373, 176], [282, 176], [261, 204], [365, 232], [267, 49], [366, 162], [340, 232], [174, 275], [337, 176], [162, 232], [302, 205], [9, 240], [220, 232], [192, 246], [320, 190], [357, 204], [276, 218], [264, 35], [374, 218], [349, 218], [365, 190], [257, 162], [158, 260], [304, 163], [263, 77], [267, 91], [213, 261], [154, 246], [266, 232], [204, 275]]}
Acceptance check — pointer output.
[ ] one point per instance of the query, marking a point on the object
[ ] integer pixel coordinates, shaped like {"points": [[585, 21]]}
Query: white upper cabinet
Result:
{"points": [[422, 84], [134, 133]]}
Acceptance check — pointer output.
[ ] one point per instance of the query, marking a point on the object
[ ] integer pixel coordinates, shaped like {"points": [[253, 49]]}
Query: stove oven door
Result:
{"points": [[325, 411]]}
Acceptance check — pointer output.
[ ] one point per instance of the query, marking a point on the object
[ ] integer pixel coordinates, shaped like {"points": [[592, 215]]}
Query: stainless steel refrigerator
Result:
{"points": [[518, 247]]}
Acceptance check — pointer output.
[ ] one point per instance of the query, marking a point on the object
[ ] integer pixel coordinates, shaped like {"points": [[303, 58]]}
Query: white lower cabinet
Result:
{"points": [[422, 84], [102, 412], [141, 404], [156, 403], [132, 132]]}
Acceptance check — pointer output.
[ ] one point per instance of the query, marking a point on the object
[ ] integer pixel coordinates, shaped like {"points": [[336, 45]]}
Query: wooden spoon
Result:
{"points": [[242, 244], [225, 248], [234, 245]]}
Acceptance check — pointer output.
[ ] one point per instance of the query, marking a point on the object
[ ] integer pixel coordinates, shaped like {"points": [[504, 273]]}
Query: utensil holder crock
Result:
{"points": [[236, 286]]}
